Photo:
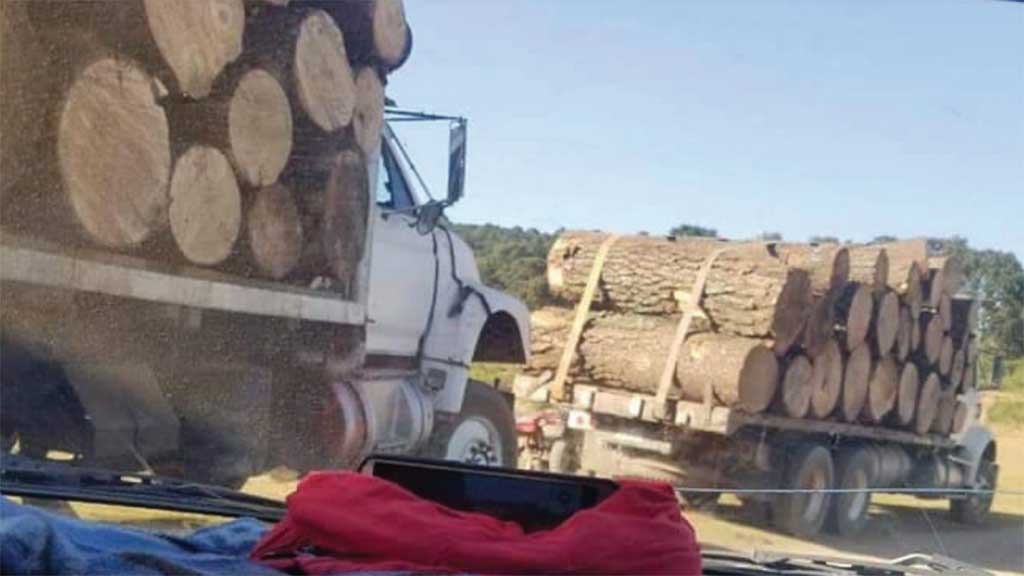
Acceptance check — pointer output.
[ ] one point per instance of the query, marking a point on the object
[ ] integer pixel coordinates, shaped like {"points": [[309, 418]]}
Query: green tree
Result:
{"points": [[769, 236], [693, 230], [996, 279], [823, 240], [512, 259], [883, 239]]}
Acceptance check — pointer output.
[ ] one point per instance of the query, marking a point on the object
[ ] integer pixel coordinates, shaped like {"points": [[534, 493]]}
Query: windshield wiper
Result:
{"points": [[22, 476], [723, 563]]}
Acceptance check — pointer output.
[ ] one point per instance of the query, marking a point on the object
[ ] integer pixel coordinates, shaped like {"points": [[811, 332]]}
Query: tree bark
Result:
{"points": [[927, 404], [883, 388], [376, 32], [797, 387], [931, 336], [916, 337], [368, 119], [934, 288], [961, 414], [956, 373], [855, 382], [853, 312], [970, 375], [946, 356], [965, 320], [748, 292], [827, 265], [886, 322], [743, 372], [952, 273], [274, 231], [907, 261], [869, 265], [819, 329], [943, 423], [206, 207], [906, 397], [826, 380], [945, 312], [333, 207], [904, 335]]}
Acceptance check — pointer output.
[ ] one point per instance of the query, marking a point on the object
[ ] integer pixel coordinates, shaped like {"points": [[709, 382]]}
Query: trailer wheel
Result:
{"points": [[483, 433], [848, 513], [803, 513], [974, 509]]}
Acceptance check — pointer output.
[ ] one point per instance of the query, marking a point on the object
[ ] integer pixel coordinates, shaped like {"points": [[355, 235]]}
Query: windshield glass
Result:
{"points": [[766, 252]]}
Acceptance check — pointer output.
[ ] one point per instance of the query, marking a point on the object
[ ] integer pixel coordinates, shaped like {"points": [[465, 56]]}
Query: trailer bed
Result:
{"points": [[726, 421], [42, 264]]}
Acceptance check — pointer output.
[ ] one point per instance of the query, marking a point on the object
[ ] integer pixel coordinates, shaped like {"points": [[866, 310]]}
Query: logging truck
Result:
{"points": [[217, 256], [788, 375]]}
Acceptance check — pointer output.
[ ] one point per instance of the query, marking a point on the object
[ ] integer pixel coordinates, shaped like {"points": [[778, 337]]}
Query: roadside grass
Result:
{"points": [[1007, 411]]}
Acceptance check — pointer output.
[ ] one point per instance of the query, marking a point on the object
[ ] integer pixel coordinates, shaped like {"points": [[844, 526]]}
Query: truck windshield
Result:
{"points": [[768, 253]]}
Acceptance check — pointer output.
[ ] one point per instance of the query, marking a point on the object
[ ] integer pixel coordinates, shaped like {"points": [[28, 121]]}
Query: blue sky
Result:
{"points": [[849, 119]]}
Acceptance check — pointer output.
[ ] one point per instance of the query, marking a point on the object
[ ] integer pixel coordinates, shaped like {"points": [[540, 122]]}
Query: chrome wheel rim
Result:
{"points": [[475, 441]]}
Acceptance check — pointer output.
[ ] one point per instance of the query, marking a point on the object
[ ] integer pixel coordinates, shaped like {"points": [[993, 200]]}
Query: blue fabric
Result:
{"points": [[36, 542]]}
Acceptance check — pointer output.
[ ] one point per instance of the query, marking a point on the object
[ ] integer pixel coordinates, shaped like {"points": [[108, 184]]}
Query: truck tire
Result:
{"points": [[483, 433], [974, 509], [803, 513], [848, 513]]}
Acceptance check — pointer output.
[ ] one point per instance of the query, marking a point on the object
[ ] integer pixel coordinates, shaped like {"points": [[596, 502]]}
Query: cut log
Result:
{"points": [[743, 372], [904, 336], [945, 364], [961, 415], [855, 382], [943, 423], [826, 380], [323, 78], [883, 388], [206, 207], [965, 319], [247, 116], [185, 43], [114, 152], [853, 312], [933, 288], [973, 349], [869, 265], [908, 260], [819, 329], [952, 273], [956, 374], [275, 231], [748, 291], [927, 404], [906, 397], [916, 337], [197, 39], [797, 387], [931, 335], [827, 265], [376, 32], [345, 210], [945, 312], [368, 119], [886, 322]]}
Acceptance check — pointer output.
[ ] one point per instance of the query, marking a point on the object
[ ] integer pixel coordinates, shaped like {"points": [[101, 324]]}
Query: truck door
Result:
{"points": [[402, 268]]}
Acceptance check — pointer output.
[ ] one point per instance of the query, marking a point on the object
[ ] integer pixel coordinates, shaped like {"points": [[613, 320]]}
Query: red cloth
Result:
{"points": [[344, 522]]}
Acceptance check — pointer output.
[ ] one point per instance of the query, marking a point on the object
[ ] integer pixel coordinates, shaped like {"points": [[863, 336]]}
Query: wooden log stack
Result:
{"points": [[826, 332], [231, 134]]}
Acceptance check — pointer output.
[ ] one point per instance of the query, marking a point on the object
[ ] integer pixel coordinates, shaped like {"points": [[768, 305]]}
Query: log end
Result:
{"points": [[826, 380], [797, 387], [791, 310], [260, 128], [206, 207], [855, 382], [759, 379], [323, 77]]}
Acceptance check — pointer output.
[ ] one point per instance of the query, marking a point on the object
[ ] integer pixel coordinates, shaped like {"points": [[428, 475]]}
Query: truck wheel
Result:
{"points": [[803, 513], [848, 513], [483, 433], [974, 508]]}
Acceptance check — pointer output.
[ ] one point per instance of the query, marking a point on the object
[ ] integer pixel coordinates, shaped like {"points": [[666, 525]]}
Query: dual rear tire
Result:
{"points": [[812, 474]]}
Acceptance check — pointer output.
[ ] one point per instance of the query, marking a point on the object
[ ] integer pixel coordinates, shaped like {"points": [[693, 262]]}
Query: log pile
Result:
{"points": [[874, 335], [232, 134]]}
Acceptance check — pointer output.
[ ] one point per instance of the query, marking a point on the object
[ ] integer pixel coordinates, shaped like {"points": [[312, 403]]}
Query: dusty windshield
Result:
{"points": [[767, 253]]}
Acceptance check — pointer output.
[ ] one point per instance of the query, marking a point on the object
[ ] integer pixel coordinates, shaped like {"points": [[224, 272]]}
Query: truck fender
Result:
{"points": [[491, 326], [973, 445]]}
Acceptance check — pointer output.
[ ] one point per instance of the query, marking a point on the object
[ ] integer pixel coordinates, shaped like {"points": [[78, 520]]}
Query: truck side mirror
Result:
{"points": [[427, 216], [456, 161]]}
